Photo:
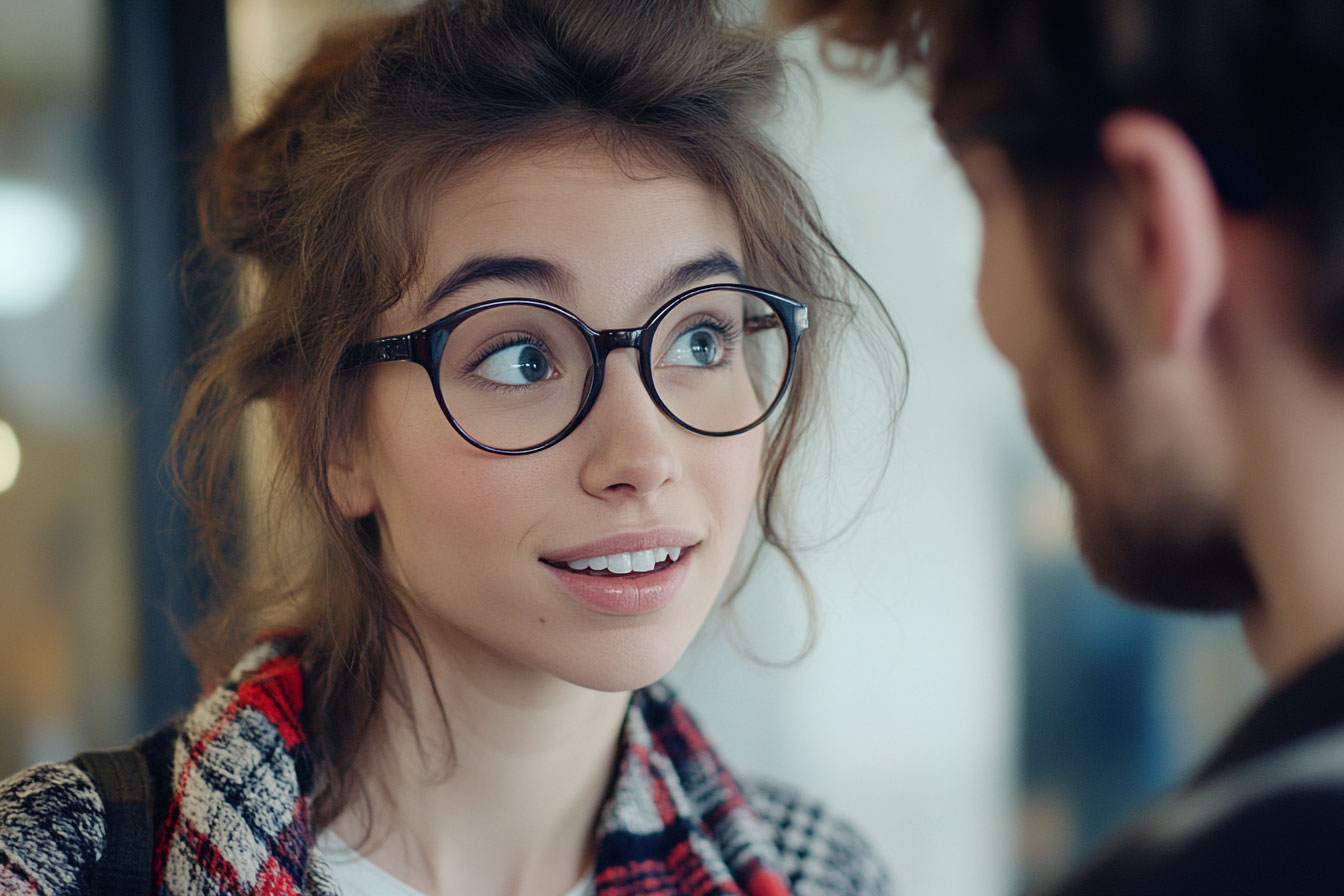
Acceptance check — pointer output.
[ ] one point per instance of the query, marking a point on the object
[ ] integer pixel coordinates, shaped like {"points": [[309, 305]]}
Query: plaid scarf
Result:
{"points": [[676, 821]]}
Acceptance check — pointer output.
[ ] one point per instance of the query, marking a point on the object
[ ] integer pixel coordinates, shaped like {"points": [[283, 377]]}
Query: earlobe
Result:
{"points": [[348, 479], [1181, 252]]}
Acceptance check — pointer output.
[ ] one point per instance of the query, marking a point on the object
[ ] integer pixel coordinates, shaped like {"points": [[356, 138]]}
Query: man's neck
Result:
{"points": [[1291, 505]]}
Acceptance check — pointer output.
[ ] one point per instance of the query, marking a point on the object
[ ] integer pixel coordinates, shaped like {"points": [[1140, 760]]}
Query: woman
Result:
{"points": [[517, 281]]}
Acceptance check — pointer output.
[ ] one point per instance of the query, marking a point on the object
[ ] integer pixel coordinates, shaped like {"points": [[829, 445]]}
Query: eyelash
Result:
{"points": [[730, 332], [501, 343]]}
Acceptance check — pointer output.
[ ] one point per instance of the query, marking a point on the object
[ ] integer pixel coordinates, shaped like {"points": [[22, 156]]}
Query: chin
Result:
{"points": [[1170, 558], [1148, 524], [617, 673], [626, 659]]}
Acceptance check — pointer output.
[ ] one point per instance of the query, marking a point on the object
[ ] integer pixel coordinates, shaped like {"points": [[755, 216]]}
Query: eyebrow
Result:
{"points": [[684, 276], [538, 273]]}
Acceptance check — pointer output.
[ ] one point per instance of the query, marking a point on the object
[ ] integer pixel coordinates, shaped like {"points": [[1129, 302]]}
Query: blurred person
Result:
{"points": [[1162, 195], [526, 288]]}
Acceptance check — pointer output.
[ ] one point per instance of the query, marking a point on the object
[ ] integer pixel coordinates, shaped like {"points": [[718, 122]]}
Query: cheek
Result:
{"points": [[460, 529], [730, 476], [1012, 294], [988, 304], [432, 487], [994, 288]]}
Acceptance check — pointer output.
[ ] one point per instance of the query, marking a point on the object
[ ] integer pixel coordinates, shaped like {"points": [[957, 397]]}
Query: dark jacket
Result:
{"points": [[1265, 816]]}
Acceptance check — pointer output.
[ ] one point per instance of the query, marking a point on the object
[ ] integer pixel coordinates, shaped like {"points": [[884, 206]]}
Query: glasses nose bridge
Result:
{"points": [[610, 340], [607, 341]]}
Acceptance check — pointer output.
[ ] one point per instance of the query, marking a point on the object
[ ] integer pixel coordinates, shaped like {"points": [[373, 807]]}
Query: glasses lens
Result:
{"points": [[514, 376], [720, 359]]}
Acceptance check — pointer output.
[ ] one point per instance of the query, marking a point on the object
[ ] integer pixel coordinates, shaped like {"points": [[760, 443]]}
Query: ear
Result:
{"points": [[1179, 243], [346, 477]]}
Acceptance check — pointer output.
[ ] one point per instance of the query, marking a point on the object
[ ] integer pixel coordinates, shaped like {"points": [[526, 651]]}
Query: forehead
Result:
{"points": [[617, 227]]}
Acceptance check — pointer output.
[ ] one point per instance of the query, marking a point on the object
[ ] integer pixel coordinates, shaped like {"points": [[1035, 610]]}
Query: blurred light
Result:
{"points": [[40, 245], [9, 457]]}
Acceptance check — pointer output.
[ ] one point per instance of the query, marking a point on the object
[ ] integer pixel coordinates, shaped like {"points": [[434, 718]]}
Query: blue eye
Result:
{"points": [[521, 364], [700, 346]]}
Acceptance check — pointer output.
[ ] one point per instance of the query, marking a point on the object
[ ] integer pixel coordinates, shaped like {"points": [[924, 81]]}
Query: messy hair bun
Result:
{"points": [[249, 180], [321, 206]]}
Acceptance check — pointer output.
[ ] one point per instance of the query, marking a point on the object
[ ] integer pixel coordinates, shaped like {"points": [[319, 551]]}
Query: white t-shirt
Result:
{"points": [[357, 876]]}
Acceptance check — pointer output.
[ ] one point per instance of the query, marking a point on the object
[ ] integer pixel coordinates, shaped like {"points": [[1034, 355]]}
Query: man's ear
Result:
{"points": [[1179, 244], [346, 472]]}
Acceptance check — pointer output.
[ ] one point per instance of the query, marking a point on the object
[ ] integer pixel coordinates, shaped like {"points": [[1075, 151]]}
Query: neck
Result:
{"points": [[506, 798], [1294, 497], [1291, 503]]}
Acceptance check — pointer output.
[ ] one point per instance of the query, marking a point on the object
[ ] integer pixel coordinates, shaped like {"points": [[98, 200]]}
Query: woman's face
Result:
{"points": [[483, 542]]}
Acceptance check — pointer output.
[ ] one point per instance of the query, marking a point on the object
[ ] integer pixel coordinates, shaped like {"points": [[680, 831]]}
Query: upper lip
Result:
{"points": [[625, 543]]}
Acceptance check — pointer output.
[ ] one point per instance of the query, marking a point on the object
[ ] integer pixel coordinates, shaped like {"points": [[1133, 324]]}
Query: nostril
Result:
{"points": [[631, 451]]}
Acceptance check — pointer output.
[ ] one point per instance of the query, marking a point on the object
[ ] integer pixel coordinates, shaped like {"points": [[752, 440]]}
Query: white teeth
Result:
{"points": [[632, 561]]}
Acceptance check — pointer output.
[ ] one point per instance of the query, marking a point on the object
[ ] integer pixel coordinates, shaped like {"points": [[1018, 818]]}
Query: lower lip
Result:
{"points": [[627, 595]]}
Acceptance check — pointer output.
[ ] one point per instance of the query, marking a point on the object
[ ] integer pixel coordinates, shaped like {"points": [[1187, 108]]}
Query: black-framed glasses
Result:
{"points": [[515, 376]]}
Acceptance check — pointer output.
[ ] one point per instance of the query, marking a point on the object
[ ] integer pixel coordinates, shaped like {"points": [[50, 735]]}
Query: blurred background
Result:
{"points": [[974, 703]]}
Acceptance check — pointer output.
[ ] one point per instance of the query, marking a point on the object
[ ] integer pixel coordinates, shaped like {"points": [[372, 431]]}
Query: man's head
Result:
{"points": [[1163, 198]]}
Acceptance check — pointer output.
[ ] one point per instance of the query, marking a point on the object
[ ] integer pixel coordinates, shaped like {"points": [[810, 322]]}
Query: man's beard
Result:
{"points": [[1171, 555], [1145, 532]]}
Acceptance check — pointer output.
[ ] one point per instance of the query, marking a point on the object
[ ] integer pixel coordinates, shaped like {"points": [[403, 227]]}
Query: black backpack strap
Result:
{"points": [[123, 782]]}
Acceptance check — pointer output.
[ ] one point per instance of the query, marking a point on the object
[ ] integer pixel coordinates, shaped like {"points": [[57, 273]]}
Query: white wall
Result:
{"points": [[904, 716]]}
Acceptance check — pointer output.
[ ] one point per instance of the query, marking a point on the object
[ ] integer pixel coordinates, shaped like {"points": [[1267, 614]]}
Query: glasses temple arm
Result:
{"points": [[391, 348]]}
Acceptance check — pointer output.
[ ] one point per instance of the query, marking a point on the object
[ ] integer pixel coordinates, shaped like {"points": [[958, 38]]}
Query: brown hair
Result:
{"points": [[321, 207], [1258, 85]]}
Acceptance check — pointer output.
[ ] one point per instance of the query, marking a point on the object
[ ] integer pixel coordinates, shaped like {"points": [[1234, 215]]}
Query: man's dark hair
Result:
{"points": [[1258, 85]]}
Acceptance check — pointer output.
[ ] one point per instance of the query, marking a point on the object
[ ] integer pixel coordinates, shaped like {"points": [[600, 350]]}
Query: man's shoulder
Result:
{"points": [[52, 830], [1271, 826], [1285, 843], [819, 851]]}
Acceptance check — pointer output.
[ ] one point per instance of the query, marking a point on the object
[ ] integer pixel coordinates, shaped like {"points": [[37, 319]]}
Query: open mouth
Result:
{"points": [[630, 563]]}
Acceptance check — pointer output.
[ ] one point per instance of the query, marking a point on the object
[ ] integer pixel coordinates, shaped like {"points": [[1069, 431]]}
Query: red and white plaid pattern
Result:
{"points": [[676, 824]]}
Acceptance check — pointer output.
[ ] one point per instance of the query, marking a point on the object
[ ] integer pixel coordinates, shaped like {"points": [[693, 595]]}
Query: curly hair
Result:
{"points": [[321, 207]]}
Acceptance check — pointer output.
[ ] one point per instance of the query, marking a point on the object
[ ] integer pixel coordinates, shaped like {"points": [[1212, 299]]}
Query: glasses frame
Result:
{"points": [[425, 348]]}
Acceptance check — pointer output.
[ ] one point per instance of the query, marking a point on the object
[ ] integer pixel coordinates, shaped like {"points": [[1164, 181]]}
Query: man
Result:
{"points": [[1162, 191]]}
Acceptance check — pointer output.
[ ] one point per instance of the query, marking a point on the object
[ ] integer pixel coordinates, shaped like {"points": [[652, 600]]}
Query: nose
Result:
{"points": [[630, 442]]}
